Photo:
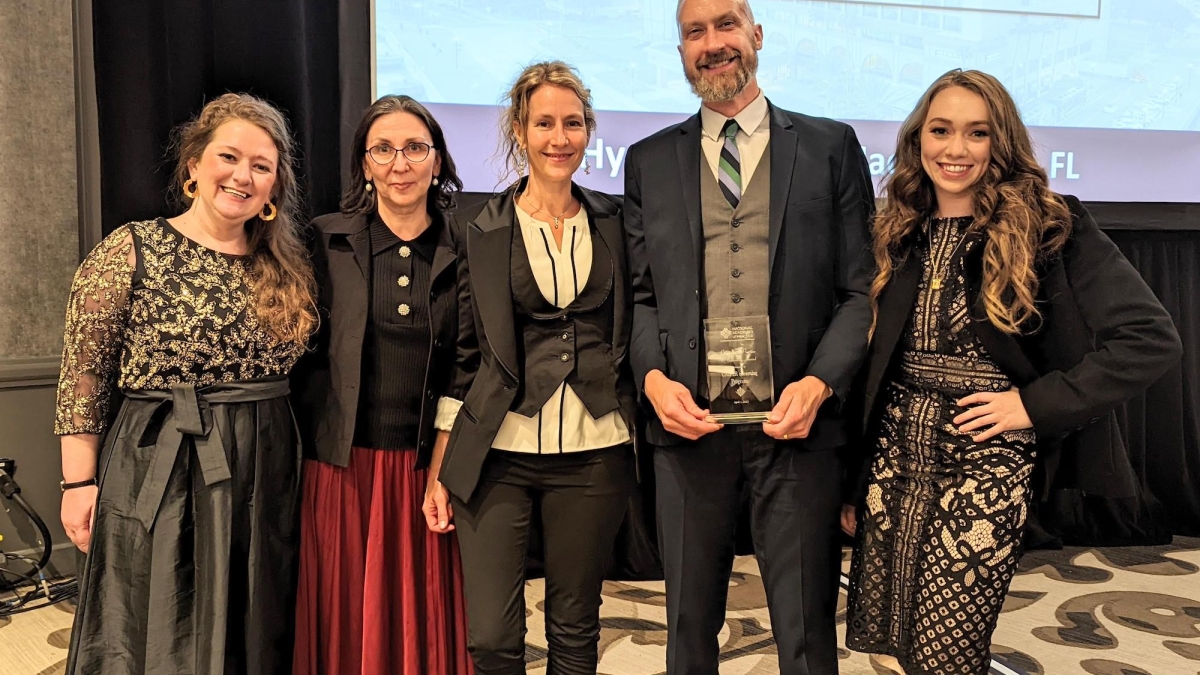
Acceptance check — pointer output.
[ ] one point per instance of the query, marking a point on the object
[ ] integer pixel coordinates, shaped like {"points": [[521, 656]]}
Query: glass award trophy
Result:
{"points": [[738, 354]]}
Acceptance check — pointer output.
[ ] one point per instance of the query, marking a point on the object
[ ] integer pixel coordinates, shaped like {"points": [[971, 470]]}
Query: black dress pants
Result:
{"points": [[581, 500], [794, 502]]}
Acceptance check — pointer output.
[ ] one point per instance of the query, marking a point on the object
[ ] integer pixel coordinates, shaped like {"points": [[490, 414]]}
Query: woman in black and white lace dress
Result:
{"points": [[1007, 330]]}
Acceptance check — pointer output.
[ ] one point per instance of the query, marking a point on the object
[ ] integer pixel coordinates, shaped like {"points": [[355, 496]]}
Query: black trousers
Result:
{"points": [[794, 499], [580, 499]]}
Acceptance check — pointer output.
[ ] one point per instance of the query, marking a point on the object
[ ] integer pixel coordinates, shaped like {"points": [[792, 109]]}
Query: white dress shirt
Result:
{"points": [[563, 424], [754, 131]]}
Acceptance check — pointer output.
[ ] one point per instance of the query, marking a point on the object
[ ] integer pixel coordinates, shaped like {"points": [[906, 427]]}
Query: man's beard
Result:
{"points": [[723, 87]]}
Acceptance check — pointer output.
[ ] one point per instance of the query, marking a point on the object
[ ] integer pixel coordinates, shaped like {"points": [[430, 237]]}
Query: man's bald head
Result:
{"points": [[743, 4]]}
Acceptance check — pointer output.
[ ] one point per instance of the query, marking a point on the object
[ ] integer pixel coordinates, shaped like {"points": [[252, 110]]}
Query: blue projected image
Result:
{"points": [[1118, 64], [1109, 88]]}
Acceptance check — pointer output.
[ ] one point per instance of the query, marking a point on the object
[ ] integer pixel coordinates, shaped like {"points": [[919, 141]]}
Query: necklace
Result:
{"points": [[557, 219], [939, 272]]}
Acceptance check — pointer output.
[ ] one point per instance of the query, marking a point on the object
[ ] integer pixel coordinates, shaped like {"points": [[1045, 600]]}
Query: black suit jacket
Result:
{"points": [[325, 382], [1103, 338], [820, 265], [487, 369]]}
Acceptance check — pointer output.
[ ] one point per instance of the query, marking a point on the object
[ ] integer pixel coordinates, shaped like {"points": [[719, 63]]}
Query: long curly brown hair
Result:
{"points": [[280, 273], [1013, 205]]}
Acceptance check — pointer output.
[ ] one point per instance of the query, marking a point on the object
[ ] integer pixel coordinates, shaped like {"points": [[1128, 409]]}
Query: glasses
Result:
{"points": [[415, 151]]}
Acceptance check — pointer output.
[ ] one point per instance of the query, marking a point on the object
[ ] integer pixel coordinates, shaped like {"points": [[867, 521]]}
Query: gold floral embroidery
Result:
{"points": [[97, 312], [187, 315]]}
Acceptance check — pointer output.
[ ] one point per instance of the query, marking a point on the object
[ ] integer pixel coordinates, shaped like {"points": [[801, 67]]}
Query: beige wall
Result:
{"points": [[39, 232], [39, 249]]}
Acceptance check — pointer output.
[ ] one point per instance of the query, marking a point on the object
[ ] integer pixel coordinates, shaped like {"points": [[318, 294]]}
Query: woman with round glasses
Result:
{"points": [[378, 591]]}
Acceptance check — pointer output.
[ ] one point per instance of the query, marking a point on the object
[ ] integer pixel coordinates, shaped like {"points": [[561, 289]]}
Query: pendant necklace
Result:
{"points": [[557, 219], [939, 272]]}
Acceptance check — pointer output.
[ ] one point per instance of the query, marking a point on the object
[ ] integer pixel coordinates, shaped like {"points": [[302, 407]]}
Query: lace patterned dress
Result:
{"points": [[191, 566], [939, 539]]}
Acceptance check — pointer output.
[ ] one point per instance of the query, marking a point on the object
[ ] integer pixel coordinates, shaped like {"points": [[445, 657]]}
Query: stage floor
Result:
{"points": [[1115, 611]]}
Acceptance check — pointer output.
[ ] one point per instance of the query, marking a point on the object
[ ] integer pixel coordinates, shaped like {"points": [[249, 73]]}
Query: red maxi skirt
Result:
{"points": [[379, 593]]}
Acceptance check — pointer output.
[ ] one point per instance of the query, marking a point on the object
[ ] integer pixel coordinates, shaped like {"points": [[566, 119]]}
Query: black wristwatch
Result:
{"points": [[64, 485]]}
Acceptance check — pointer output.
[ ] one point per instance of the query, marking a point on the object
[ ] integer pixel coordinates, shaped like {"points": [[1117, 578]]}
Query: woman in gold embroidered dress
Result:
{"points": [[183, 490], [1006, 326]]}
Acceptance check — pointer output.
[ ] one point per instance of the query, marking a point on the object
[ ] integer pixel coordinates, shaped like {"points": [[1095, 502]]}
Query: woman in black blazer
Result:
{"points": [[1007, 330], [378, 591], [545, 397]]}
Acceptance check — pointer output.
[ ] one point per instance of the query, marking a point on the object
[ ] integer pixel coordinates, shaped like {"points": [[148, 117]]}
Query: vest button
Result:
{"points": [[736, 223], [566, 337], [692, 343], [734, 247], [564, 357], [735, 298], [736, 273]]}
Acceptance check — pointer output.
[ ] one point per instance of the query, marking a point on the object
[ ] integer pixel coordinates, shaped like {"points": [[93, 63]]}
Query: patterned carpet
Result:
{"points": [[1130, 611]]}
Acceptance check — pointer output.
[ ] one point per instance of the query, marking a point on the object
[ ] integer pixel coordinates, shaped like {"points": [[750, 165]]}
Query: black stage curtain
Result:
{"points": [[158, 61]]}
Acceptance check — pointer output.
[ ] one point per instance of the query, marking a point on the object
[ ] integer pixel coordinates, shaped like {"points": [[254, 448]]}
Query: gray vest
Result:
{"points": [[737, 245]]}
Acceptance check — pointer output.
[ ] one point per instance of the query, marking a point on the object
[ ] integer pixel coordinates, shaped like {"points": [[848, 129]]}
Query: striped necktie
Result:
{"points": [[729, 173]]}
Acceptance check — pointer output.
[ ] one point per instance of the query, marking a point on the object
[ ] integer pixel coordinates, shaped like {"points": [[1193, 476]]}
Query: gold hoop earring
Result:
{"points": [[190, 192], [268, 213]]}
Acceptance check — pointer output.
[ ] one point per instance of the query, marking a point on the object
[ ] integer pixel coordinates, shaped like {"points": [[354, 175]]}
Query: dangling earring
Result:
{"points": [[587, 168], [268, 213], [435, 181], [189, 188], [522, 161], [369, 187]]}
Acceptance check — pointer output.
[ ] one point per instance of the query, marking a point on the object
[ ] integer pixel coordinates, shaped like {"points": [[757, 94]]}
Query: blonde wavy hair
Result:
{"points": [[533, 76], [1013, 206], [280, 273]]}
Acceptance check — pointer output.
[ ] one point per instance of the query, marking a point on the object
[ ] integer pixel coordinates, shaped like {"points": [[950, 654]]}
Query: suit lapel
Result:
{"points": [[361, 243], [350, 268], [356, 231], [1003, 348], [783, 159], [489, 251], [687, 154], [895, 306], [608, 225], [443, 255]]}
